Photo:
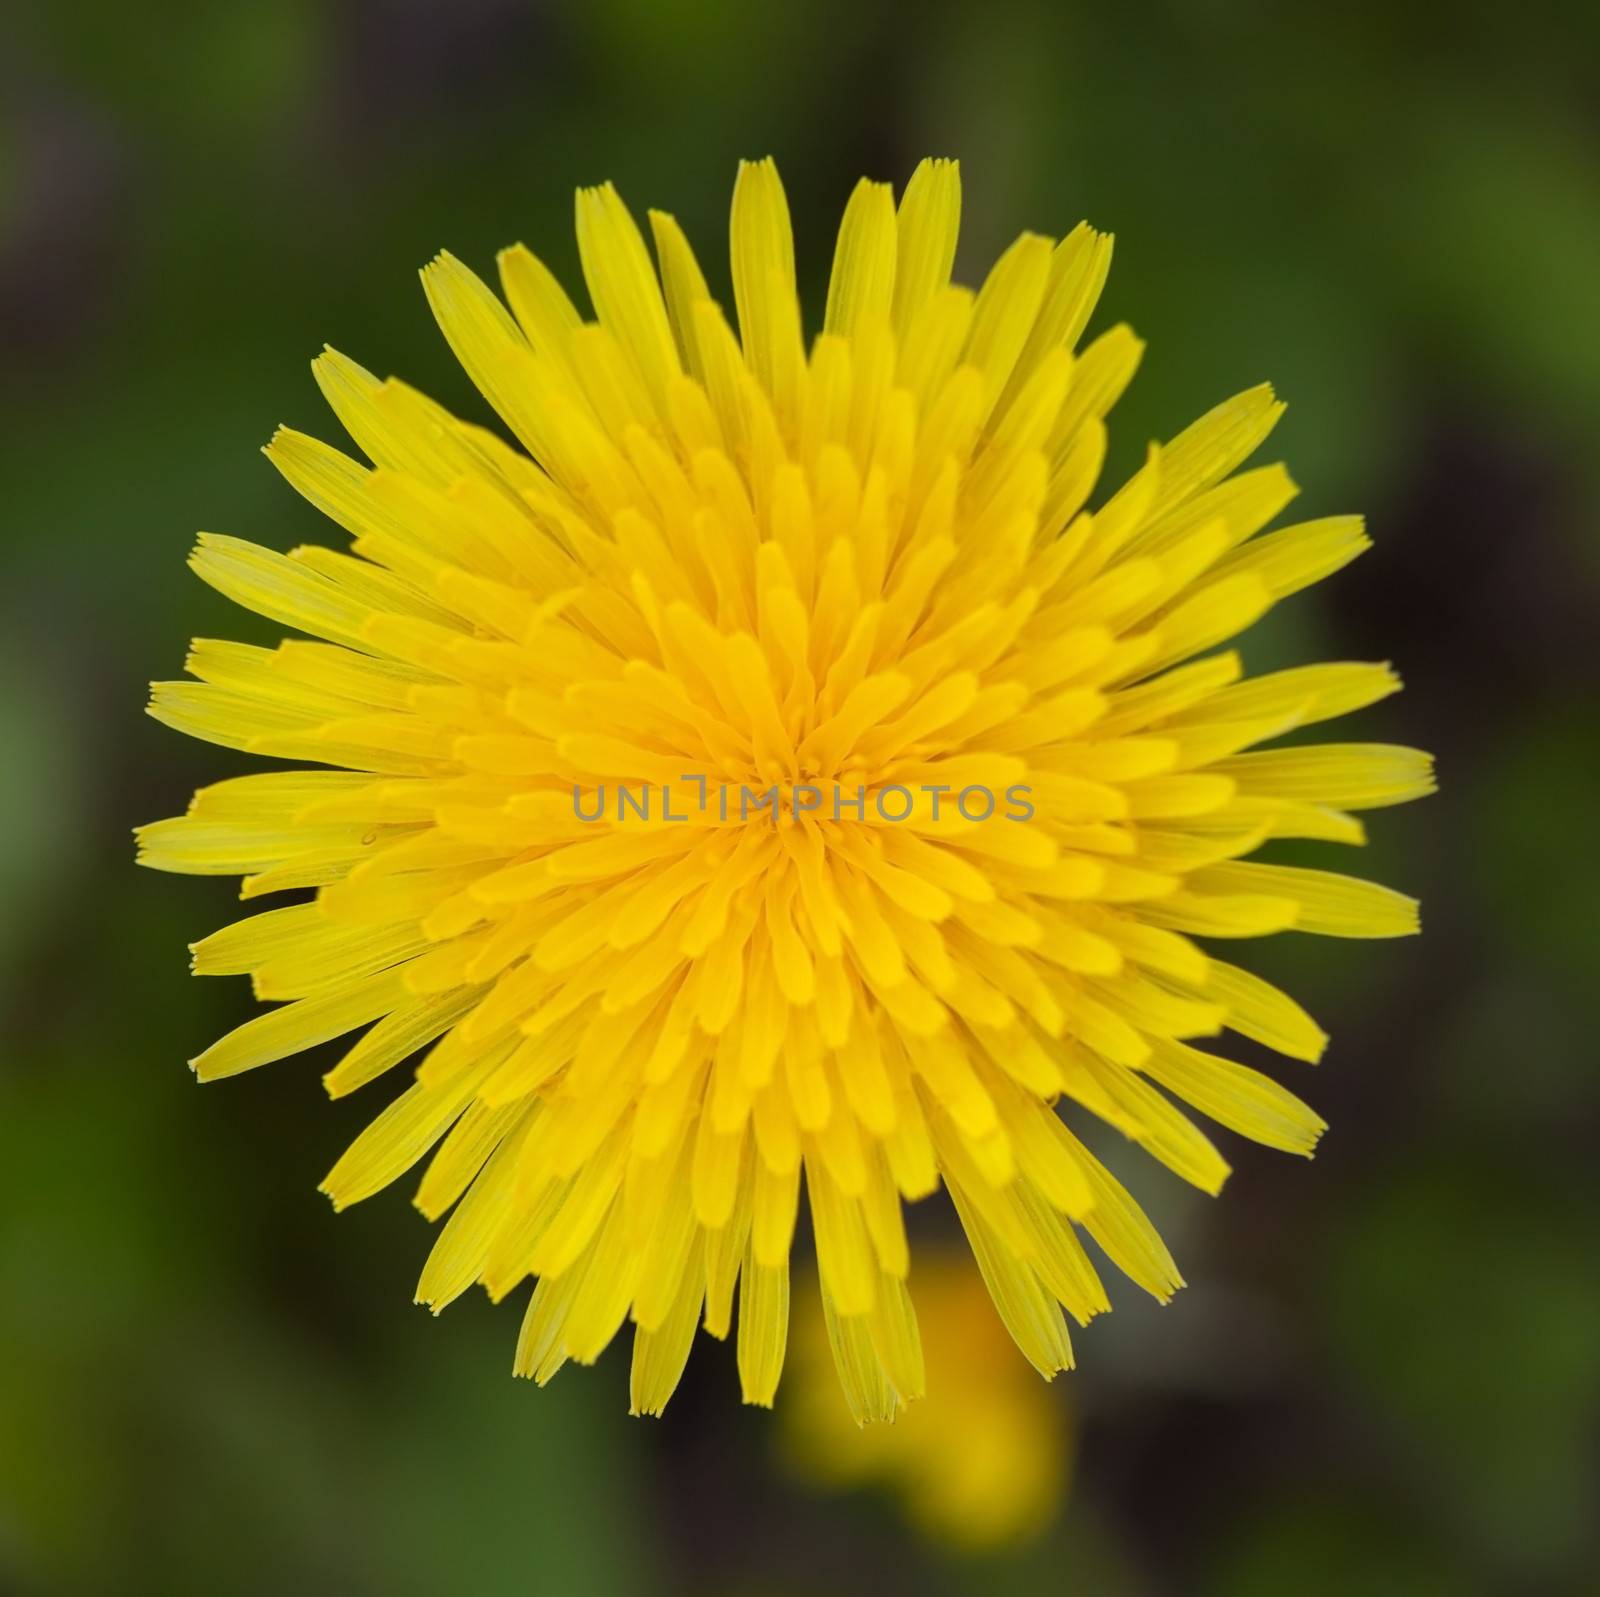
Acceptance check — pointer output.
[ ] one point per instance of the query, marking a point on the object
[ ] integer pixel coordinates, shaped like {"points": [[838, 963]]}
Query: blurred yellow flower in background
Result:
{"points": [[841, 576], [982, 1462]]}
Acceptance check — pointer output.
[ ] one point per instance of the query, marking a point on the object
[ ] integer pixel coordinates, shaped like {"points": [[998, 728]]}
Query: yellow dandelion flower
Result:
{"points": [[845, 583], [981, 1463]]}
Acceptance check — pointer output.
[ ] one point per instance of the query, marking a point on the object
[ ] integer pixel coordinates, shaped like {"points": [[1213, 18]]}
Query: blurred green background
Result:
{"points": [[1387, 1372]]}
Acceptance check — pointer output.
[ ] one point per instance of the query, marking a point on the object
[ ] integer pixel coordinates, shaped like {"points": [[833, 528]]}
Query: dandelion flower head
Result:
{"points": [[720, 558]]}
